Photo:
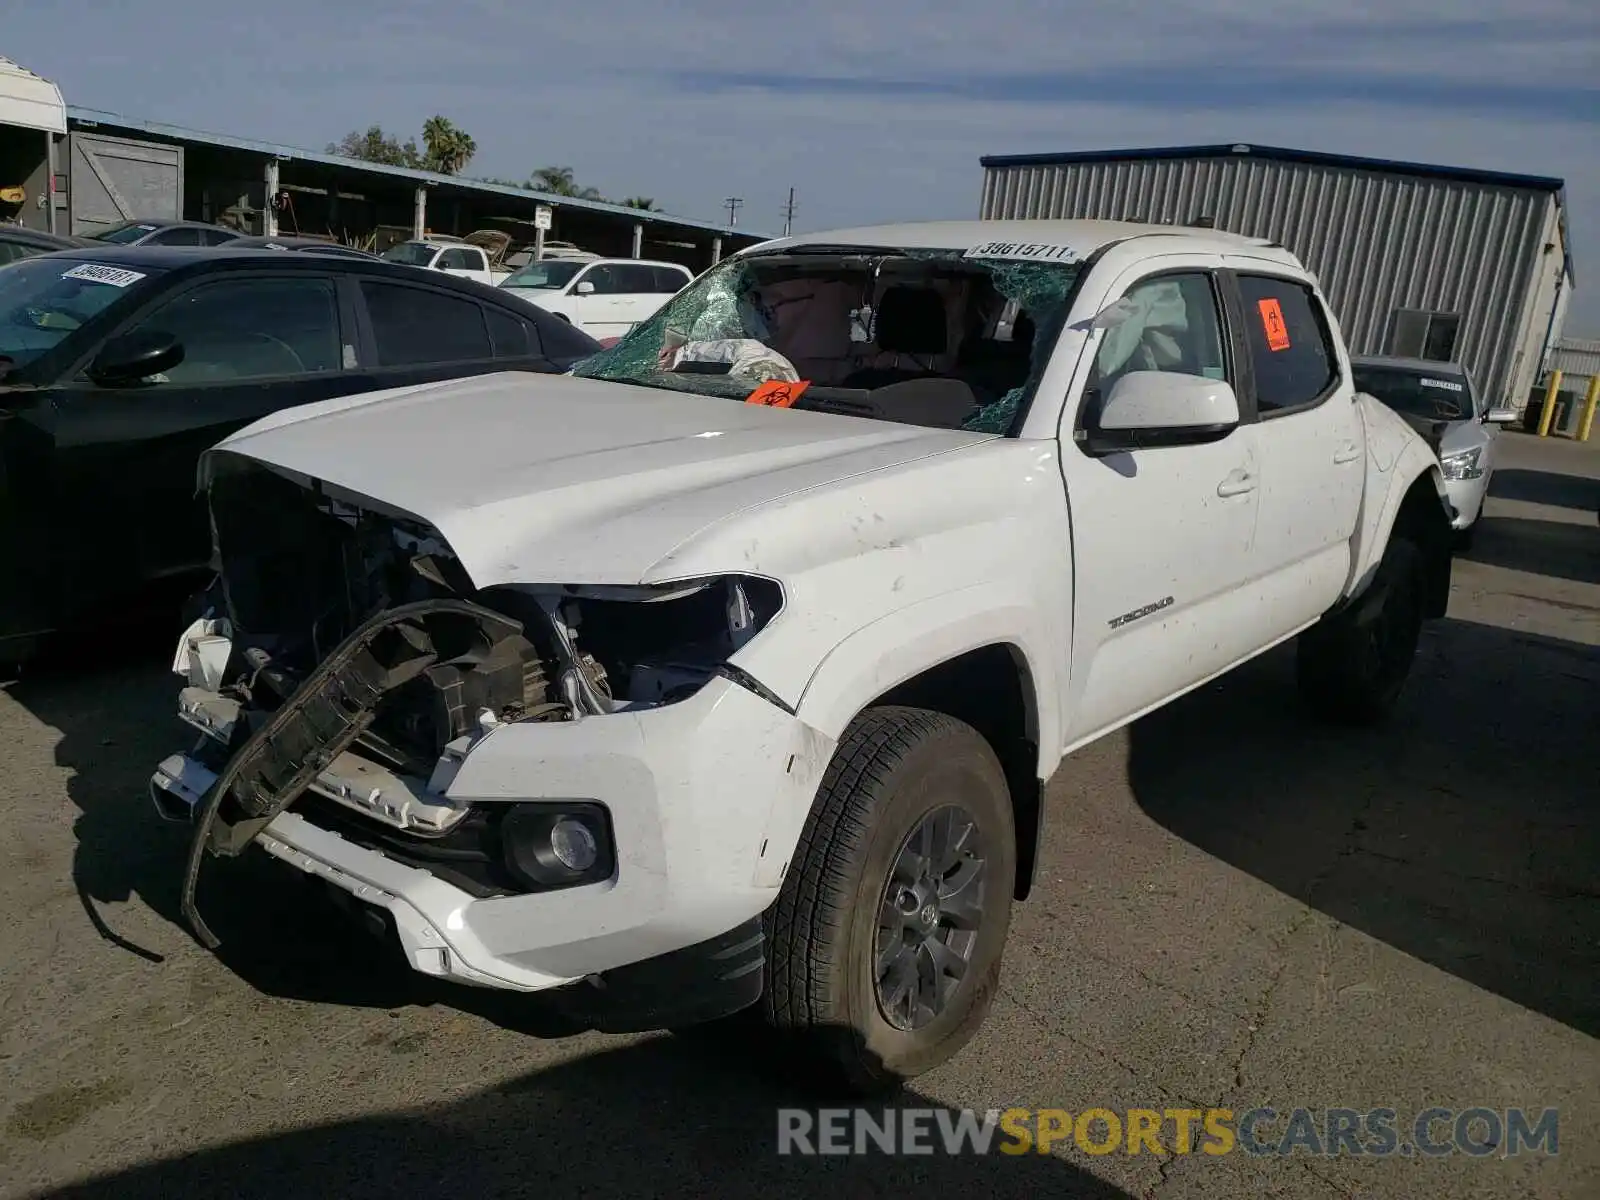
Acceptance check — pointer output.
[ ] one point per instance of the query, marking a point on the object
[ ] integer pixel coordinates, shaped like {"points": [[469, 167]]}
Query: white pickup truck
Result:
{"points": [[728, 672], [450, 255]]}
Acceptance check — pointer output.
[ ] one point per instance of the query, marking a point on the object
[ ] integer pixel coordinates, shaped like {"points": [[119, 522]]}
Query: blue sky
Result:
{"points": [[871, 109]]}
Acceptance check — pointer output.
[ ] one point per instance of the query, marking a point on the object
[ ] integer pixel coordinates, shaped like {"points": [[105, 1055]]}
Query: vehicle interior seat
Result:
{"points": [[910, 321], [993, 367]]}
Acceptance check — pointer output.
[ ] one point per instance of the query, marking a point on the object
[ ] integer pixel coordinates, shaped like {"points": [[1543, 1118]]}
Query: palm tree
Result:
{"points": [[557, 181], [449, 149], [642, 203]]}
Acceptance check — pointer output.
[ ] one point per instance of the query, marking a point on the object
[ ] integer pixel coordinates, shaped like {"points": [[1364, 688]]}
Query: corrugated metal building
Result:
{"points": [[1422, 261], [1577, 358]]}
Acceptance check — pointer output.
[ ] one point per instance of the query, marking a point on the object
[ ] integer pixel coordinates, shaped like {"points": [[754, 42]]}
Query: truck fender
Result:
{"points": [[903, 644], [1396, 459]]}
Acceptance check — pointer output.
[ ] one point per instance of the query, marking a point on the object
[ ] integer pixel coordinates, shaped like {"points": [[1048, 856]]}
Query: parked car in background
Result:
{"points": [[451, 256], [304, 244], [161, 232], [18, 242], [551, 249], [1440, 401], [605, 297], [119, 367]]}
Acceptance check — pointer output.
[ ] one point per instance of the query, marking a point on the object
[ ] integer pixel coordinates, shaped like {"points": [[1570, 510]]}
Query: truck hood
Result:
{"points": [[557, 479]]}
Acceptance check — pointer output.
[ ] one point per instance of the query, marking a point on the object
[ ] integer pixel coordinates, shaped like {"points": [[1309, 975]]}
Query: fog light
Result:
{"points": [[555, 844], [573, 844]]}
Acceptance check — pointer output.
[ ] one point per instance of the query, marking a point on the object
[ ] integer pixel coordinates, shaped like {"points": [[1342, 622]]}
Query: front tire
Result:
{"points": [[1352, 667], [886, 939]]}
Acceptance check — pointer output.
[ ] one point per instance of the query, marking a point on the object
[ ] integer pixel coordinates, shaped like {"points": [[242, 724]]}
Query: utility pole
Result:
{"points": [[733, 203], [788, 214]]}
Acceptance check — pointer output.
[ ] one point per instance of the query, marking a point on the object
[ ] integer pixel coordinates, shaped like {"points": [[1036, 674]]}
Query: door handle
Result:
{"points": [[1347, 453], [1237, 484]]}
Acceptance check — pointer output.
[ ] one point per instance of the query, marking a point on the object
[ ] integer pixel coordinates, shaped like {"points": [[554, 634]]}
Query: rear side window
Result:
{"points": [[1291, 346], [217, 237], [180, 236], [668, 280], [414, 326], [637, 280], [460, 260], [512, 336]]}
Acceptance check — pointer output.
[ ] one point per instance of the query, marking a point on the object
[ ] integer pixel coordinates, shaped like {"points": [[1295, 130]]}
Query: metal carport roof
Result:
{"points": [[30, 101]]}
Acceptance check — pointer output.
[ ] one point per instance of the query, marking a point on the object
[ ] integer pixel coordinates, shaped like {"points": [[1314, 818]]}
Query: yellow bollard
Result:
{"points": [[1590, 399], [1550, 394]]}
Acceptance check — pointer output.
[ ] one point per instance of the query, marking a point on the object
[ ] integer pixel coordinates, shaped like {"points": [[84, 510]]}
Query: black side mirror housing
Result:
{"points": [[135, 356]]}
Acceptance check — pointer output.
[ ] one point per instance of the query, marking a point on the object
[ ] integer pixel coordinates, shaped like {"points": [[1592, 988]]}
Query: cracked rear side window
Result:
{"points": [[924, 337]]}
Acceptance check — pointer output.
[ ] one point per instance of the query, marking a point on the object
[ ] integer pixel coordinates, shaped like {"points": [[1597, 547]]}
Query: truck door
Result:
{"points": [[1161, 535], [467, 262], [1311, 440]]}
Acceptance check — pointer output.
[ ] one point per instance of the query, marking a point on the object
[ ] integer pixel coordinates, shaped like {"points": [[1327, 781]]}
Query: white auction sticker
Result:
{"points": [[1446, 384], [95, 273], [1024, 252]]}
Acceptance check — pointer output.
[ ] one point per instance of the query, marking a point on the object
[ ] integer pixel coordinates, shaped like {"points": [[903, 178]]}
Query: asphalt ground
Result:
{"points": [[1237, 908]]}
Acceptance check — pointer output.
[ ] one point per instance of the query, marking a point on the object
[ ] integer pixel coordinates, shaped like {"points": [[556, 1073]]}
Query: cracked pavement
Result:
{"points": [[1237, 907]]}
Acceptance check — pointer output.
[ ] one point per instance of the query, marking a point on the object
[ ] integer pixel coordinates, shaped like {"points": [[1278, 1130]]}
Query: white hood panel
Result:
{"points": [[542, 478]]}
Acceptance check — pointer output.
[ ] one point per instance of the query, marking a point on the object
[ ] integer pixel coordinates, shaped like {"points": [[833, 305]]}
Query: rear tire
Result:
{"points": [[1352, 667], [880, 969]]}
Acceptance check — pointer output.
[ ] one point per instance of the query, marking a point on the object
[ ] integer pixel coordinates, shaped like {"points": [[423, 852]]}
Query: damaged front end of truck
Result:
{"points": [[344, 663]]}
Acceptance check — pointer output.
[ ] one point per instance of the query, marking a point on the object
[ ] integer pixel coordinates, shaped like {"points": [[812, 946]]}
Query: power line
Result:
{"points": [[733, 203], [788, 214]]}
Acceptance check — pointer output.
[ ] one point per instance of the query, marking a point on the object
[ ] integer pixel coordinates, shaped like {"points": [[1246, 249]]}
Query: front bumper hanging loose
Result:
{"points": [[331, 709]]}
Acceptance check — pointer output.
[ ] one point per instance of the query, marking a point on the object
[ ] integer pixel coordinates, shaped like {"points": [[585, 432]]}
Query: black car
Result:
{"points": [[19, 242], [305, 244], [118, 368], [162, 231]]}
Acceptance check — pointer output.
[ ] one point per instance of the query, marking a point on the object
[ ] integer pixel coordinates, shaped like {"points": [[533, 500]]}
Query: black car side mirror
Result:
{"points": [[135, 356]]}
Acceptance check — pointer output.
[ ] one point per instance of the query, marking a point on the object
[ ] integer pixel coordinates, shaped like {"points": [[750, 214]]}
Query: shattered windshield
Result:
{"points": [[42, 300], [941, 338], [544, 274], [410, 254]]}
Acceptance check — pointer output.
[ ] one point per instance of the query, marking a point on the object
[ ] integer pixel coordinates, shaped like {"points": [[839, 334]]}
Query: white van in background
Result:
{"points": [[605, 297]]}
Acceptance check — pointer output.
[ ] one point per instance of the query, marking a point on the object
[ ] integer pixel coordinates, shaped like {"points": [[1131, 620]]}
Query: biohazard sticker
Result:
{"points": [[1272, 324], [777, 393]]}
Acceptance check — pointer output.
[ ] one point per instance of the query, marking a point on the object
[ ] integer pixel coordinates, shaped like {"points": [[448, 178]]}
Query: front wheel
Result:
{"points": [[1351, 668], [884, 945]]}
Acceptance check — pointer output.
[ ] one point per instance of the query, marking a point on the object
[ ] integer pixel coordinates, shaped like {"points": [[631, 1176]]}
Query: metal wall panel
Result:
{"points": [[1376, 241], [118, 179]]}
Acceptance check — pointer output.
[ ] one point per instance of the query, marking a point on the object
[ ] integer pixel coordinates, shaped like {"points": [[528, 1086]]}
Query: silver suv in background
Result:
{"points": [[1440, 401]]}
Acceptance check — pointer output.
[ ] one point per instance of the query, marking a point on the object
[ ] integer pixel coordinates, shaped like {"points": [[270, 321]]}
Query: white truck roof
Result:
{"points": [[1082, 237]]}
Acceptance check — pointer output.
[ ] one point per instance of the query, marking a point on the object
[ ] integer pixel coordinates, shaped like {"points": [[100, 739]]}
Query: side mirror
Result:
{"points": [[1501, 416], [135, 356], [585, 288], [1148, 409]]}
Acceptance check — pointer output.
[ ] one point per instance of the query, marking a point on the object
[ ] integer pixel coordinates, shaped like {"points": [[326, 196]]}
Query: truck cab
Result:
{"points": [[453, 256]]}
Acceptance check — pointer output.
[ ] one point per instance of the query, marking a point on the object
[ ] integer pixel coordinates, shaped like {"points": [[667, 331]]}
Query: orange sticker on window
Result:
{"points": [[777, 393], [1272, 322]]}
